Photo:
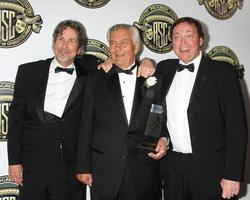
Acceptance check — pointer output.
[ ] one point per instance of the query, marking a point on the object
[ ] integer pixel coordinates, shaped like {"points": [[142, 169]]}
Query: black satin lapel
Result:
{"points": [[115, 87], [200, 81], [137, 98], [166, 83], [76, 90], [39, 93]]}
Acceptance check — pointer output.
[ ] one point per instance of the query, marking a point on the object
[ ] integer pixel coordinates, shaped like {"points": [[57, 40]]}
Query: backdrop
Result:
{"points": [[26, 28]]}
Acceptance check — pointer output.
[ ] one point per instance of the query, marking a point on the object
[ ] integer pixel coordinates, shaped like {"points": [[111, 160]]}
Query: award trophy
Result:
{"points": [[153, 128]]}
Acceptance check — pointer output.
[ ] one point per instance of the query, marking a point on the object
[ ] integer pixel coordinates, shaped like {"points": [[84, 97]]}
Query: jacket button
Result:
{"points": [[125, 156]]}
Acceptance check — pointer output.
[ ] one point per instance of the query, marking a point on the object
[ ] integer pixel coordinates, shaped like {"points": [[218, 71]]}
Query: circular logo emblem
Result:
{"points": [[222, 53], [6, 96], [154, 26], [8, 189], [97, 49], [17, 22], [92, 3], [222, 9]]}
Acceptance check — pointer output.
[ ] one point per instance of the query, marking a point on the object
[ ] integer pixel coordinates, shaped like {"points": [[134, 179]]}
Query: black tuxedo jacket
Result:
{"points": [[107, 143], [32, 140], [217, 120]]}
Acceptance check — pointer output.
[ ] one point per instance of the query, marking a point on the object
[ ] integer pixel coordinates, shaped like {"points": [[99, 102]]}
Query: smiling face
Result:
{"points": [[122, 48], [66, 47], [186, 41]]}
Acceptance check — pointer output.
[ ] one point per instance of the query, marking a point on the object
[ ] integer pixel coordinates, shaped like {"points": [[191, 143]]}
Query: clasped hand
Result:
{"points": [[145, 69]]}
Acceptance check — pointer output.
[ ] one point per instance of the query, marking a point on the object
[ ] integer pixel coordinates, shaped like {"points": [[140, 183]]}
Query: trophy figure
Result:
{"points": [[153, 128]]}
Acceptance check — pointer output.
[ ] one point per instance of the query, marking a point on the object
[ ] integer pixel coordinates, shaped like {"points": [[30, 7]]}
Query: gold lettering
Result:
{"points": [[7, 28], [4, 108], [8, 198], [11, 25], [220, 6], [160, 34], [211, 3], [230, 4]]}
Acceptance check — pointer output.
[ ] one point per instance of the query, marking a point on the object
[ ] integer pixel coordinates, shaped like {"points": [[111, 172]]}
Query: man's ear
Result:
{"points": [[137, 48], [80, 51], [201, 41]]}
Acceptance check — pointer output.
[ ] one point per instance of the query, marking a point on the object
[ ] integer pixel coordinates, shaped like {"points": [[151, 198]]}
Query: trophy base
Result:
{"points": [[149, 144]]}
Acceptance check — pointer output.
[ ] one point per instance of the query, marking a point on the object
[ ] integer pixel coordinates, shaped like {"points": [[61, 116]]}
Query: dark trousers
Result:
{"points": [[51, 183], [183, 181], [126, 191]]}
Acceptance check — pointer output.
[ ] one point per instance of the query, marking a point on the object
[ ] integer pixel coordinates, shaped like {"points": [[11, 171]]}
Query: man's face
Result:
{"points": [[122, 49], [186, 42], [66, 47]]}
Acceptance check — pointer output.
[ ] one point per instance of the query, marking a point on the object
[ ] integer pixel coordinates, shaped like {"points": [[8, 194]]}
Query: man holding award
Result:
{"points": [[118, 110]]}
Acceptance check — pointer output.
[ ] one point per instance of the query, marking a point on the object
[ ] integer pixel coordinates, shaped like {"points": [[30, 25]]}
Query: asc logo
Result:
{"points": [[17, 21], [8, 189], [222, 53], [97, 49], [222, 9], [6, 96], [154, 24], [92, 3]]}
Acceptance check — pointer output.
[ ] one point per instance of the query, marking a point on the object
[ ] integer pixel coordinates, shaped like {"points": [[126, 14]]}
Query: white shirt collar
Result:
{"points": [[55, 64], [196, 62]]}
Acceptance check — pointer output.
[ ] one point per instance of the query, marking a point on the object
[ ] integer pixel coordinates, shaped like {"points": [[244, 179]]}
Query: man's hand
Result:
{"points": [[16, 173], [161, 149], [229, 188], [85, 179], [146, 68], [106, 65]]}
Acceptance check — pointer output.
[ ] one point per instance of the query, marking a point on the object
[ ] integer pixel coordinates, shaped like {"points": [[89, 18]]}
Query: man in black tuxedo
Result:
{"points": [[114, 117], [205, 119], [44, 117]]}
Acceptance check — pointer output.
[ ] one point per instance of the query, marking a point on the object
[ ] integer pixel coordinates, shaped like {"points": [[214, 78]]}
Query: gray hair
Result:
{"points": [[134, 32], [77, 27]]}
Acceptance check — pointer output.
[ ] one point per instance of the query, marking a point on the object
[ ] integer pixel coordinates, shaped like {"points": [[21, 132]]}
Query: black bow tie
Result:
{"points": [[126, 71], [189, 67], [68, 70]]}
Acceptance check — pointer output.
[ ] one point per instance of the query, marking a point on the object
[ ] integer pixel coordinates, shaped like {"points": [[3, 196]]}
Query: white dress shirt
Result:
{"points": [[58, 89], [127, 83], [177, 101]]}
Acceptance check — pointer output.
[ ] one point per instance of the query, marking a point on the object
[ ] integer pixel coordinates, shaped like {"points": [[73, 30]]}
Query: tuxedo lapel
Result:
{"points": [[115, 87], [167, 71], [40, 90], [76, 89], [41, 85], [137, 98], [201, 78], [166, 83]]}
